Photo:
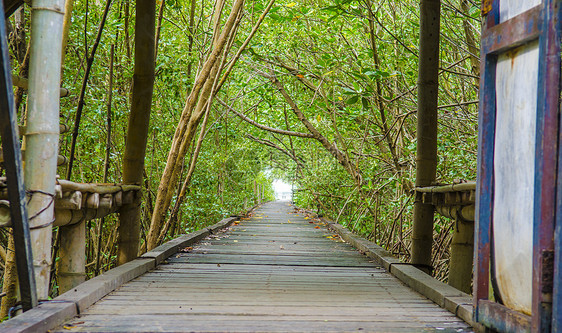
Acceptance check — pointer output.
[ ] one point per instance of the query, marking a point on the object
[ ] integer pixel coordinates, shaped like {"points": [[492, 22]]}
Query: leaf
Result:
{"points": [[276, 17], [352, 100], [186, 249], [365, 102], [350, 91]]}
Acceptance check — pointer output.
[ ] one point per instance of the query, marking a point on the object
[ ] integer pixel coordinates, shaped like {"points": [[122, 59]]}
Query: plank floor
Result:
{"points": [[277, 271]]}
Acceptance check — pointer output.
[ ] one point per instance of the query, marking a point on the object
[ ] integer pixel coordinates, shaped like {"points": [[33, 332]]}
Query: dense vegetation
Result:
{"points": [[338, 76]]}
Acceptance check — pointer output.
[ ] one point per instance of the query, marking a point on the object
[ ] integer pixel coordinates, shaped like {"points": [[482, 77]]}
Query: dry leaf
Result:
{"points": [[187, 249]]}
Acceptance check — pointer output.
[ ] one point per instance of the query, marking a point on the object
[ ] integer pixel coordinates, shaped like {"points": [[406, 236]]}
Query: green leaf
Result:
{"points": [[352, 100], [365, 102]]}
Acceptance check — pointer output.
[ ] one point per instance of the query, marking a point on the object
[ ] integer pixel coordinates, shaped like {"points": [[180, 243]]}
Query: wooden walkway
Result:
{"points": [[276, 271]]}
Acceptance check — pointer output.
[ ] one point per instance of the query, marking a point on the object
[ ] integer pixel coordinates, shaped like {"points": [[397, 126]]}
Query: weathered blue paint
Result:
{"points": [[512, 33], [542, 23], [484, 182], [554, 17], [547, 141], [501, 319], [484, 186]]}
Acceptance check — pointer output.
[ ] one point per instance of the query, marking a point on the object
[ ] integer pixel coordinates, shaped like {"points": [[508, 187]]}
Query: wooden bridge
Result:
{"points": [[277, 270], [281, 270]]}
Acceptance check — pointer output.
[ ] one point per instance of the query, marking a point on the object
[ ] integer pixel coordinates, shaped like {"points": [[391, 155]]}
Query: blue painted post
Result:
{"points": [[547, 132], [484, 187]]}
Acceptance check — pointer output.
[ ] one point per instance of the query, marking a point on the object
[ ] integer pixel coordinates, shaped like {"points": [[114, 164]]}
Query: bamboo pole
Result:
{"points": [[118, 198], [468, 186], [23, 83], [68, 7], [137, 133], [61, 160], [462, 252], [71, 267], [43, 131], [426, 159]]}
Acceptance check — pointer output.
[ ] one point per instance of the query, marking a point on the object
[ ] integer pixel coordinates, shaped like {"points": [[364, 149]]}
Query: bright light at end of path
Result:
{"points": [[282, 190]]}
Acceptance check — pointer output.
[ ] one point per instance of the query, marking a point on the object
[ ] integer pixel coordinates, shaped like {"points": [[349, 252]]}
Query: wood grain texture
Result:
{"points": [[274, 272]]}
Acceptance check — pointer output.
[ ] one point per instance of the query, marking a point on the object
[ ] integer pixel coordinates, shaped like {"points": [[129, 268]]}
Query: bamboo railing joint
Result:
{"points": [[78, 202]]}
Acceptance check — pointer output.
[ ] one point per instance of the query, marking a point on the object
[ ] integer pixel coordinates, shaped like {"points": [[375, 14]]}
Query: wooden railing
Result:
{"points": [[456, 201]]}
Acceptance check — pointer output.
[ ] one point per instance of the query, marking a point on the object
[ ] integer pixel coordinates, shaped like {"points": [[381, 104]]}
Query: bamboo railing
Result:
{"points": [[78, 202], [456, 201]]}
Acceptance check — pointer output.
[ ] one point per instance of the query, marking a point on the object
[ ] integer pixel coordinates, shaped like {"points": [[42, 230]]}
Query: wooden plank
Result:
{"points": [[238, 282], [441, 293], [41, 317], [92, 290]]}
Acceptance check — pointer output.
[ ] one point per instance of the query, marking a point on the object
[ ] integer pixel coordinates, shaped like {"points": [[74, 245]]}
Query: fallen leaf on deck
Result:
{"points": [[235, 241], [71, 326], [281, 247], [316, 227], [187, 249]]}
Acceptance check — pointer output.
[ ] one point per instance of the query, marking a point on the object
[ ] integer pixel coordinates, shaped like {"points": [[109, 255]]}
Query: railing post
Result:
{"points": [[71, 267], [426, 159], [42, 134], [137, 131], [462, 254]]}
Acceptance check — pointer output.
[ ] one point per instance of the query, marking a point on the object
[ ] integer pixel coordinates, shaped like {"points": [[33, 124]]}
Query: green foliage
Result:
{"points": [[361, 99]]}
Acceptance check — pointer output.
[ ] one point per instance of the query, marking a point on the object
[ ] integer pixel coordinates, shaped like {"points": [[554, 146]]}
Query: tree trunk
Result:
{"points": [[426, 159], [68, 7], [137, 133], [191, 115], [10, 282]]}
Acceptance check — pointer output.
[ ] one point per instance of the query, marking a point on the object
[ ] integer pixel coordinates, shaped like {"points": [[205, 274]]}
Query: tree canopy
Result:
{"points": [[321, 94]]}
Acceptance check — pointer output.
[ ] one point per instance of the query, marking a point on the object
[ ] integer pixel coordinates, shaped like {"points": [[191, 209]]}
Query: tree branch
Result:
{"points": [[273, 145], [263, 127]]}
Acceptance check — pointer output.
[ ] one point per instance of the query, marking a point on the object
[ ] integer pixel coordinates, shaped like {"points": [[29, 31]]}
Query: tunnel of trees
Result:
{"points": [[320, 94]]}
